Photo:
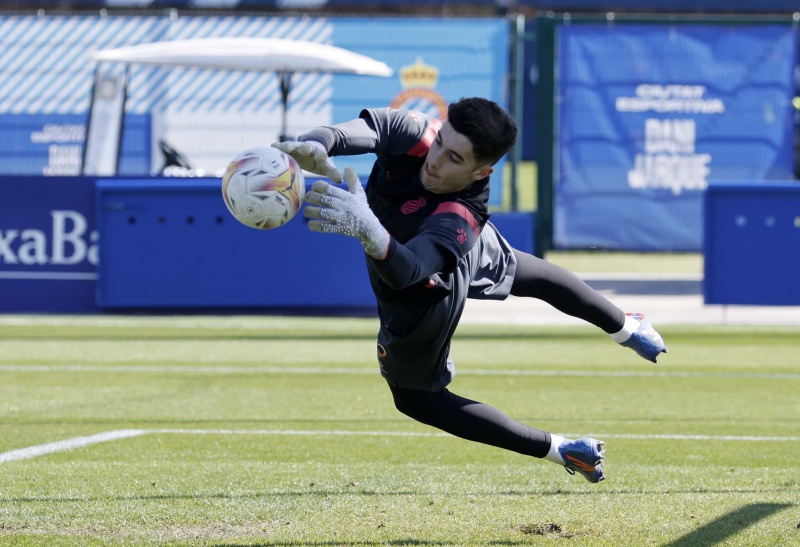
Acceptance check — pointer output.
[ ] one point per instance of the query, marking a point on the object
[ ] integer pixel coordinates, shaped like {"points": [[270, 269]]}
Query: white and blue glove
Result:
{"points": [[639, 335], [311, 156], [336, 211]]}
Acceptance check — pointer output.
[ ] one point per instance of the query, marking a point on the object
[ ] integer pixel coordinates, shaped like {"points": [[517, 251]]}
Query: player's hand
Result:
{"points": [[337, 211], [643, 339], [311, 156]]}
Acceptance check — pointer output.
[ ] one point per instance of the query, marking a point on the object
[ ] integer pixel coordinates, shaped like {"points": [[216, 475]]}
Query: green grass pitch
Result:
{"points": [[271, 431]]}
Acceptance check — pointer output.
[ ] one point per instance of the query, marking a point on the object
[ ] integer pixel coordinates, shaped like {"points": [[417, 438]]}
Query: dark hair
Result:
{"points": [[486, 124]]}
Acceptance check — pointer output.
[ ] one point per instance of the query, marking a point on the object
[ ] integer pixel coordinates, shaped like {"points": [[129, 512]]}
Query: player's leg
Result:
{"points": [[482, 423], [501, 270], [471, 420], [565, 291]]}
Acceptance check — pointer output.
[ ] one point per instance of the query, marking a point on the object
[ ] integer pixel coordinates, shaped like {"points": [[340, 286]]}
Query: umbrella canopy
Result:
{"points": [[257, 54], [260, 54]]}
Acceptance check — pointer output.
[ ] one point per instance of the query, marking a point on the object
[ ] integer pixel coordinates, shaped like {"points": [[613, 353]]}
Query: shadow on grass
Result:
{"points": [[728, 524], [712, 533]]}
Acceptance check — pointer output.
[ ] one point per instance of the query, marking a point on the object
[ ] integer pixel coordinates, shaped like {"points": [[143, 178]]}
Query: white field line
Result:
{"points": [[189, 369], [300, 432], [77, 442], [654, 276], [68, 444], [737, 438], [256, 323], [340, 433], [64, 276], [368, 370]]}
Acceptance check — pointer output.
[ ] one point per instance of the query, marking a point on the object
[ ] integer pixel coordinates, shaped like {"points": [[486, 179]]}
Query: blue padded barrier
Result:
{"points": [[752, 244], [173, 244]]}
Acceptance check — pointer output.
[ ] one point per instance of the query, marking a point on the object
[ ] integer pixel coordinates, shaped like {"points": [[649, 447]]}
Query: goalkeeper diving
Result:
{"points": [[424, 224]]}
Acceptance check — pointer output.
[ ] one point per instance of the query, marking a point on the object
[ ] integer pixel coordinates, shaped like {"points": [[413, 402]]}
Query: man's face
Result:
{"points": [[450, 165]]}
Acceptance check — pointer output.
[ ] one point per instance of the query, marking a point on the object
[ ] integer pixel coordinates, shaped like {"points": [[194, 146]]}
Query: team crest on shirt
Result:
{"points": [[418, 81], [412, 206], [461, 236]]}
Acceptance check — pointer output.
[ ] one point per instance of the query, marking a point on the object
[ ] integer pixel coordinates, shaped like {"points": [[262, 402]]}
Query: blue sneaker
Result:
{"points": [[645, 341], [584, 456]]}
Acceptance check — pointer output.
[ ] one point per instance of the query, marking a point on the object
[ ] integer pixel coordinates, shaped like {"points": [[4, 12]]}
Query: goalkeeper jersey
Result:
{"points": [[448, 224]]}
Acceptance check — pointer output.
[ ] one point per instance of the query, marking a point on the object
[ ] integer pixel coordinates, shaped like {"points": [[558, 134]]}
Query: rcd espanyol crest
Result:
{"points": [[418, 81]]}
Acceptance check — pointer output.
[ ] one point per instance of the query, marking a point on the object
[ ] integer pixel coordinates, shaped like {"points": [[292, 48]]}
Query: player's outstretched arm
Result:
{"points": [[311, 156], [337, 211], [639, 335]]}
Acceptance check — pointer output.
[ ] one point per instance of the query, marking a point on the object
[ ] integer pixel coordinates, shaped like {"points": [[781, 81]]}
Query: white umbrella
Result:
{"points": [[259, 54], [264, 54]]}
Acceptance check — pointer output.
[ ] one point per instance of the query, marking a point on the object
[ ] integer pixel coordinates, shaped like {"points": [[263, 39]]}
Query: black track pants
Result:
{"points": [[537, 278], [471, 420]]}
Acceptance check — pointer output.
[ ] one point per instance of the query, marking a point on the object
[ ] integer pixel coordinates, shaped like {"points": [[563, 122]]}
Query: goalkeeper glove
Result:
{"points": [[347, 213], [638, 334], [311, 156]]}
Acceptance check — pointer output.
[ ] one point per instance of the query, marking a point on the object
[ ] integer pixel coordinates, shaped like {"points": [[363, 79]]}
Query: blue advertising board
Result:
{"points": [[649, 114], [170, 244], [48, 244]]}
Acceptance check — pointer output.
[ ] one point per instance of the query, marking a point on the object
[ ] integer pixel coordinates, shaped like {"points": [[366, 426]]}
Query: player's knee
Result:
{"points": [[415, 404]]}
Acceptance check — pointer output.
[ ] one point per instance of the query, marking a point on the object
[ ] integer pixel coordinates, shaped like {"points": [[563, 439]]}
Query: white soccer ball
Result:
{"points": [[263, 188]]}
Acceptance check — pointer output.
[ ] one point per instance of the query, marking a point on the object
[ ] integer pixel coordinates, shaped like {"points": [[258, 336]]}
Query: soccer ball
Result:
{"points": [[263, 188]]}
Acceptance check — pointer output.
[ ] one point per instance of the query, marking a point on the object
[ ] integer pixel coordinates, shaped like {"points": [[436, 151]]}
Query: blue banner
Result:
{"points": [[649, 114]]}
